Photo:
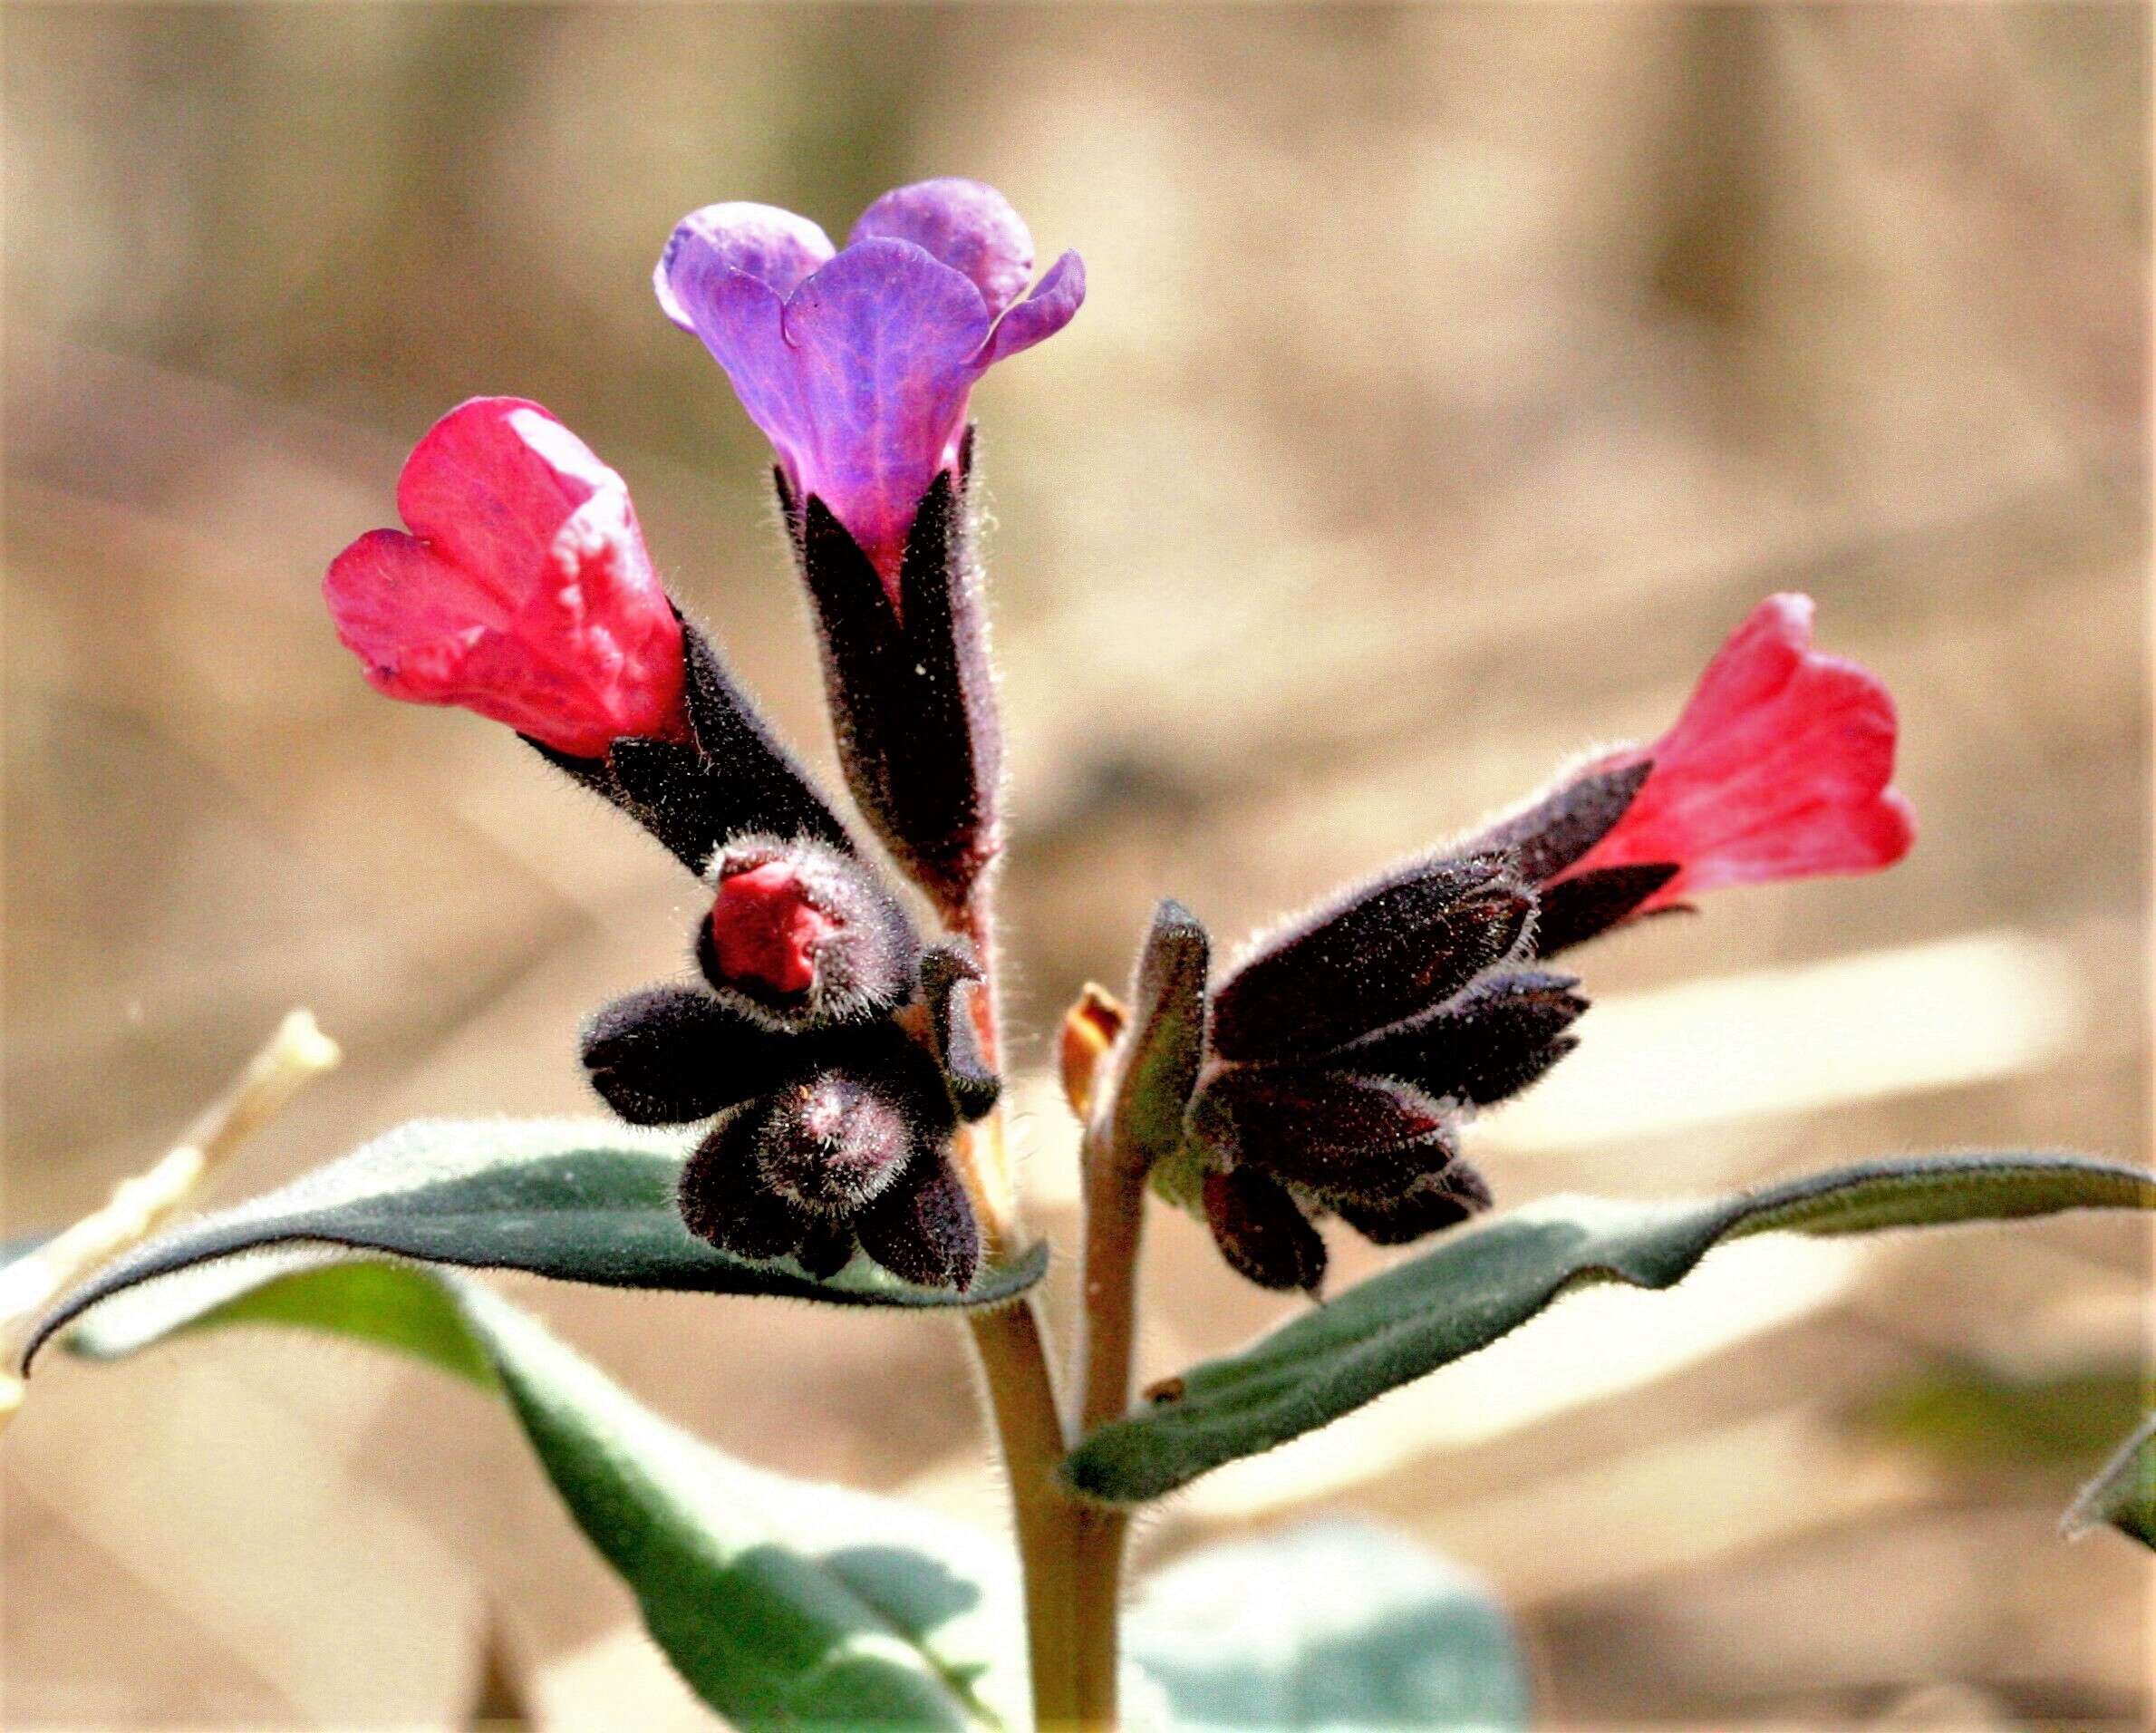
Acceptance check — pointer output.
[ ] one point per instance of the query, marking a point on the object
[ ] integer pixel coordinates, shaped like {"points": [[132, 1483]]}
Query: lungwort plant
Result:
{"points": [[812, 1110]]}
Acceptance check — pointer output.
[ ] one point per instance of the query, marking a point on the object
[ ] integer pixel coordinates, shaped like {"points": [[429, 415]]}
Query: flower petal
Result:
{"points": [[1051, 306], [484, 496], [775, 247], [524, 592], [1778, 768], [884, 339], [407, 613], [960, 223], [743, 322]]}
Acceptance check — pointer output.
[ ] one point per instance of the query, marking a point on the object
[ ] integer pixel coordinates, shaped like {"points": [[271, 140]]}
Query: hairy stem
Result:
{"points": [[984, 1156], [1096, 1564], [1013, 1356], [1114, 1216], [1114, 1201], [1010, 1346]]}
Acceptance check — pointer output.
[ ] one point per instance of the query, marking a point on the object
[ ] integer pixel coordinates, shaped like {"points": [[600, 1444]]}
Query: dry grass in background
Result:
{"points": [[1453, 379]]}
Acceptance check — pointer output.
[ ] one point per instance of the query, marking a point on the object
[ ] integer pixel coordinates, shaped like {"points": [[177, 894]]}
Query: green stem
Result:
{"points": [[1115, 1218], [1097, 1560], [1017, 1371], [1012, 1352]]}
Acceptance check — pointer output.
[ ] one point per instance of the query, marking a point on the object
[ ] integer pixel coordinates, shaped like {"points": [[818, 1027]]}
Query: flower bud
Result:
{"points": [[1263, 1232], [832, 1142], [724, 1200], [674, 1055], [1436, 1202], [802, 935], [1490, 1042], [1332, 1133], [950, 979], [1386, 952], [846, 1147], [1163, 1044], [923, 1229]]}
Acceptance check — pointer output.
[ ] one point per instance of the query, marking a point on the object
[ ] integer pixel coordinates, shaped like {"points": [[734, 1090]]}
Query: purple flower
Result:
{"points": [[856, 364]]}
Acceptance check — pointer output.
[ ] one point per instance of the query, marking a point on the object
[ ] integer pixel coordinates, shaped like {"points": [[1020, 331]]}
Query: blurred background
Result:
{"points": [[1452, 380]]}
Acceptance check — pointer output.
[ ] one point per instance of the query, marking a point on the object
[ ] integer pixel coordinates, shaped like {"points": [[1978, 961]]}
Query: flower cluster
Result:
{"points": [[834, 1053], [1347, 1050], [833, 1114]]}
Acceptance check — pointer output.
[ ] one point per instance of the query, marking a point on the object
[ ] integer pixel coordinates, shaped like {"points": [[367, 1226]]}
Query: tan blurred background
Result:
{"points": [[1452, 380]]}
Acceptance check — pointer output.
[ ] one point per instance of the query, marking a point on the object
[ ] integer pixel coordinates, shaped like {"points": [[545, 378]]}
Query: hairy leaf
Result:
{"points": [[783, 1603], [577, 1200], [2124, 1493], [1474, 1287], [1166, 1041], [1335, 1625]]}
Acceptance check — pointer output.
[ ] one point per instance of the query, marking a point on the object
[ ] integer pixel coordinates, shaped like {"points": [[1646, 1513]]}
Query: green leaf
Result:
{"points": [[1478, 1285], [2125, 1494], [1336, 1626], [577, 1200], [782, 1604], [1165, 1040]]}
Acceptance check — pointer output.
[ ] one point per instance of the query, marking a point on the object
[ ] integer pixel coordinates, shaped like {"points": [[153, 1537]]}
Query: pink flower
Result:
{"points": [[523, 592], [1778, 768]]}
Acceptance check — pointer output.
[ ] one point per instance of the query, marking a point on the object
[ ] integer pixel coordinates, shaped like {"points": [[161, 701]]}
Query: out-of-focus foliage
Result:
{"points": [[1977, 1419], [1332, 1627]]}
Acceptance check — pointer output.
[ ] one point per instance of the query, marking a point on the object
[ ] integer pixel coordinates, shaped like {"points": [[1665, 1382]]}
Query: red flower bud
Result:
{"points": [[523, 592], [1778, 768], [766, 931], [802, 935]]}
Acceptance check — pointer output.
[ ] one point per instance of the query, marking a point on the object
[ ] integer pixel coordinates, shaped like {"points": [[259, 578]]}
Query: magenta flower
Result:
{"points": [[858, 365], [1779, 767], [522, 591]]}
